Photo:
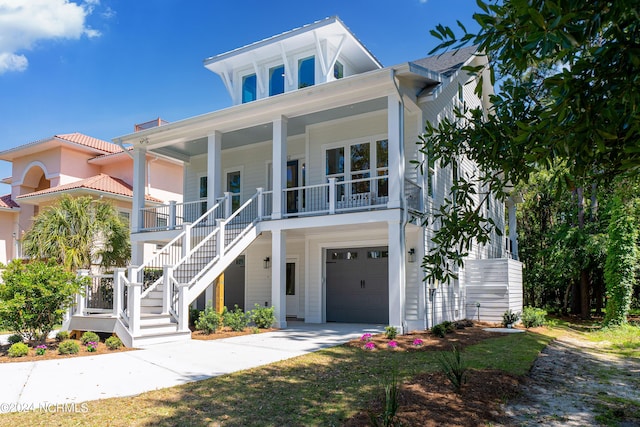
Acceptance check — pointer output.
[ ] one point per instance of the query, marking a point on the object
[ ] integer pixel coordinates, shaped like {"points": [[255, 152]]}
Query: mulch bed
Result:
{"points": [[226, 333], [460, 338], [52, 352], [429, 399]]}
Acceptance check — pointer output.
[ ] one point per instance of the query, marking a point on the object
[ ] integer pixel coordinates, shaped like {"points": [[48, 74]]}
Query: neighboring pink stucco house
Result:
{"points": [[78, 165]]}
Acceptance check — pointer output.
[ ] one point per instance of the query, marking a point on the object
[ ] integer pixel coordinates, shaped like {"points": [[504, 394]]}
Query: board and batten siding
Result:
{"points": [[495, 284]]}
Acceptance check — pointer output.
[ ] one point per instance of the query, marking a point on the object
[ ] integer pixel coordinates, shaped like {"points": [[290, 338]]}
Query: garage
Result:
{"points": [[357, 285]]}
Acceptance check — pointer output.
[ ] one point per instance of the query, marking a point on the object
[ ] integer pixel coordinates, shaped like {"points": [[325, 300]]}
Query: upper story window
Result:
{"points": [[306, 72], [338, 70], [276, 80], [249, 88]]}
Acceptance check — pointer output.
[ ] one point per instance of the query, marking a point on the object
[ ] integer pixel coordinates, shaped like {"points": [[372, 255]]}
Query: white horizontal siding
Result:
{"points": [[496, 284]]}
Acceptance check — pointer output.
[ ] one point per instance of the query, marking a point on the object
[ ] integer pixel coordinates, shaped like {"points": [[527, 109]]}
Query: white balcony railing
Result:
{"points": [[320, 199]]}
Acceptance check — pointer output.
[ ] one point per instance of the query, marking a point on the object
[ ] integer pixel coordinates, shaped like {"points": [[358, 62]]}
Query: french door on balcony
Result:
{"points": [[358, 162]]}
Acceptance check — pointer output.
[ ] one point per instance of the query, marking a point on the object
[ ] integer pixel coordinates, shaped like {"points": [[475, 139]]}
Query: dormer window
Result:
{"points": [[276, 80], [249, 88], [306, 72], [338, 70]]}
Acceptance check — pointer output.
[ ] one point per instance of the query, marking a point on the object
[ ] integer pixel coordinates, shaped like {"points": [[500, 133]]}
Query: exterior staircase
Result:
{"points": [[158, 311]]}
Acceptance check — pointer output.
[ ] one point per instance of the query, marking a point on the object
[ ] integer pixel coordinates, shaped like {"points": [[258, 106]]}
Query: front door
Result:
{"points": [[292, 289], [292, 182]]}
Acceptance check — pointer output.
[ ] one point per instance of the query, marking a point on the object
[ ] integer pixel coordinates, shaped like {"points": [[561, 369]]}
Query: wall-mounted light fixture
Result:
{"points": [[267, 263], [412, 255]]}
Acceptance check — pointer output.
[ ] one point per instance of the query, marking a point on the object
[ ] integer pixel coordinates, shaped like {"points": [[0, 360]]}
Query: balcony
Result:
{"points": [[333, 197]]}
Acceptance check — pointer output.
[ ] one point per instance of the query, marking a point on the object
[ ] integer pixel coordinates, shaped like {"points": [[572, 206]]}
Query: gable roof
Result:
{"points": [[100, 183], [449, 62], [6, 202], [84, 142]]}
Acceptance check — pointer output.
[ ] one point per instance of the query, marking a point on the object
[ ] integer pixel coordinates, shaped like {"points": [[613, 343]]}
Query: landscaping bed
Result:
{"points": [[52, 352], [227, 332]]}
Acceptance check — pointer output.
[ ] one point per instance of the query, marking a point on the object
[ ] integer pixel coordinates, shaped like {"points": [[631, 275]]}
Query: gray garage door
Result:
{"points": [[358, 285]]}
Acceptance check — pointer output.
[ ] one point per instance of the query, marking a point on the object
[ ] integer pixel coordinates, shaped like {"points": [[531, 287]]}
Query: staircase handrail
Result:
{"points": [[203, 270], [166, 248]]}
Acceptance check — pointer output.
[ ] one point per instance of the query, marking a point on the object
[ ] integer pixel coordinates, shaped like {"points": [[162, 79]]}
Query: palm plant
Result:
{"points": [[79, 232]]}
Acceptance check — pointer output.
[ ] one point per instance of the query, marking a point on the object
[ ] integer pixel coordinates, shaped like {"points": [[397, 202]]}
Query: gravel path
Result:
{"points": [[577, 383]]}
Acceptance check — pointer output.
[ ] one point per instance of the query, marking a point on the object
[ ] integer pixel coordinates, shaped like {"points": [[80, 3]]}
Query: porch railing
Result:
{"points": [[172, 215], [98, 296], [336, 196]]}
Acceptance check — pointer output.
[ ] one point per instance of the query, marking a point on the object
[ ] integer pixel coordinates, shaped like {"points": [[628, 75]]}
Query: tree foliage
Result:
{"points": [[568, 94], [622, 255], [34, 297], [79, 232]]}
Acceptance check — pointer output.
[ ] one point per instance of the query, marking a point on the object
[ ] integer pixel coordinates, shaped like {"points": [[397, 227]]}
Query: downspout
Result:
{"points": [[403, 207]]}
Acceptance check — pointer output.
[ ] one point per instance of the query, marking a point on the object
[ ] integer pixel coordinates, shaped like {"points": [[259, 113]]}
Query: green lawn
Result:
{"points": [[322, 388]]}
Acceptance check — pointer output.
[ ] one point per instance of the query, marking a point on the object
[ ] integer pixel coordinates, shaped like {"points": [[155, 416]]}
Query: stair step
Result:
{"points": [[158, 329], [155, 294], [155, 319], [151, 302], [162, 337], [151, 309]]}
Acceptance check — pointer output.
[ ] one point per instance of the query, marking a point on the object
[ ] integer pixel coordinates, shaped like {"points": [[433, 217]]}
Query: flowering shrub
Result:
{"points": [[418, 342], [92, 346], [366, 337], [392, 344], [41, 350], [369, 346]]}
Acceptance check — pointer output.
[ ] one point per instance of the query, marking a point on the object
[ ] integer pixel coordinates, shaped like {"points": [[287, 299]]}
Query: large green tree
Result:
{"points": [[568, 93], [78, 232]]}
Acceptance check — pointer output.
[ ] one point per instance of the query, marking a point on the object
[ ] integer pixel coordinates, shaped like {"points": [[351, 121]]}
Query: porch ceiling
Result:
{"points": [[263, 131]]}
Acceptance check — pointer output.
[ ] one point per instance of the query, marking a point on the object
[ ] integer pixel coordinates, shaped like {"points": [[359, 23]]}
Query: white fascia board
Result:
{"points": [[311, 99]]}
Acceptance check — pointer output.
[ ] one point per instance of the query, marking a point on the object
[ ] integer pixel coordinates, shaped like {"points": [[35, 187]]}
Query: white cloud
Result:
{"points": [[25, 22]]}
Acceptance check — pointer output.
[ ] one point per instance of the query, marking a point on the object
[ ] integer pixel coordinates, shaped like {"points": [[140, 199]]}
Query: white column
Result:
{"points": [[397, 259], [279, 164], [214, 166], [139, 167], [513, 231], [279, 276], [395, 124]]}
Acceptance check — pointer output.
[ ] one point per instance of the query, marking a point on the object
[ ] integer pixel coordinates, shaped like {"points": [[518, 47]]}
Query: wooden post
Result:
{"points": [[219, 290]]}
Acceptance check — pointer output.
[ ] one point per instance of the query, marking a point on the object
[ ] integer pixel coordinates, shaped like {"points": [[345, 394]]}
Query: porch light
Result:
{"points": [[412, 255], [267, 263]]}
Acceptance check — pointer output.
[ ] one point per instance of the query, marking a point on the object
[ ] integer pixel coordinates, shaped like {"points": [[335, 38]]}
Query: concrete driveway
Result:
{"points": [[162, 365]]}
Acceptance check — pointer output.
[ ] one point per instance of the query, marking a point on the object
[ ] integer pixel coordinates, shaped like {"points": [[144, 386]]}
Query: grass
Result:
{"points": [[613, 410], [622, 340], [322, 388]]}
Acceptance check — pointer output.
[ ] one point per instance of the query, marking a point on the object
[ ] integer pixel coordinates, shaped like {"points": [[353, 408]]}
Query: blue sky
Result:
{"points": [[100, 66]]}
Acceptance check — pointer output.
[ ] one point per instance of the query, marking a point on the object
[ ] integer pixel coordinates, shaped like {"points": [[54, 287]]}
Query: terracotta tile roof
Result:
{"points": [[102, 182], [7, 202], [90, 141]]}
